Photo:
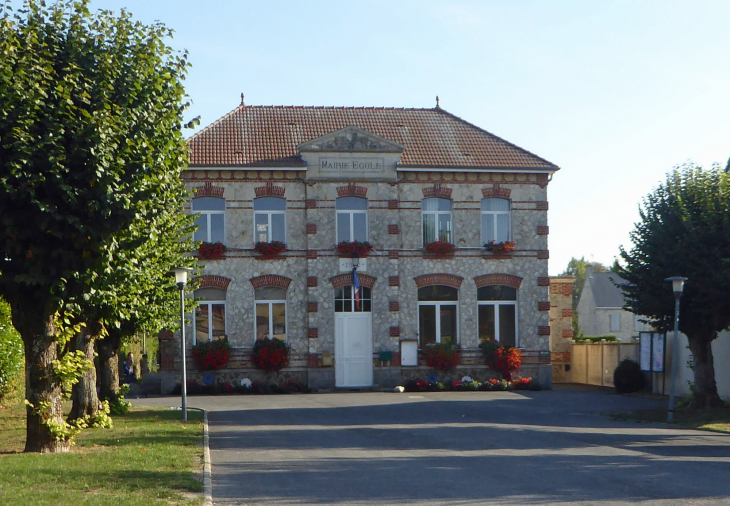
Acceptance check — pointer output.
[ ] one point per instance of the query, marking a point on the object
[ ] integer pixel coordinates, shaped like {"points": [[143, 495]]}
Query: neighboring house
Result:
{"points": [[312, 177], [601, 308]]}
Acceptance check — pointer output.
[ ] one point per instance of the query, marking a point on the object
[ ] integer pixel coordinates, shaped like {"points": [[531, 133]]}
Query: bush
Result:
{"points": [[627, 377], [12, 357], [502, 359], [443, 357]]}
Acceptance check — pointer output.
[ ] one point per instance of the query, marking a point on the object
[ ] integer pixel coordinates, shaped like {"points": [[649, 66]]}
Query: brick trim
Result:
{"points": [[346, 279], [543, 230], [312, 307], [269, 190], [393, 255], [313, 361], [541, 205], [395, 331], [210, 281], [311, 228], [312, 281], [543, 330], [543, 281], [393, 281], [496, 191], [438, 279], [568, 333], [208, 190], [311, 254], [313, 333], [393, 229], [543, 254], [310, 204], [352, 190], [437, 191], [270, 280], [543, 305], [567, 313], [543, 180], [392, 204], [394, 306], [561, 288], [498, 279]]}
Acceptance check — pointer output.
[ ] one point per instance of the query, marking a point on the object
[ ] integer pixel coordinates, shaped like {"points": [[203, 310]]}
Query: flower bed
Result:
{"points": [[212, 355], [502, 359], [439, 249], [269, 250], [500, 248], [467, 384], [443, 357], [347, 249], [211, 250], [270, 355], [248, 388]]}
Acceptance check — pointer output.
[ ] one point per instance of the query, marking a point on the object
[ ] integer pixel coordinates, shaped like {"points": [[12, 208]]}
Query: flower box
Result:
{"points": [[270, 355], [269, 250], [211, 251], [502, 359], [212, 355], [500, 249], [443, 357], [347, 249], [439, 249]]}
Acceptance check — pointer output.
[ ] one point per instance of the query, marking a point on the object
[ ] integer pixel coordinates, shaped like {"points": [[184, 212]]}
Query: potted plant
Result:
{"points": [[361, 249], [439, 249], [442, 357], [211, 355], [270, 355], [500, 248], [502, 359], [211, 250], [269, 250]]}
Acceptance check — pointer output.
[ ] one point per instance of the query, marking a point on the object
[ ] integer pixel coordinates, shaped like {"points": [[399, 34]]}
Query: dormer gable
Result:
{"points": [[351, 139]]}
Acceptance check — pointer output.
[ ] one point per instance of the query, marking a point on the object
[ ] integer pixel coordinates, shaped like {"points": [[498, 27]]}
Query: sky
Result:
{"points": [[614, 93]]}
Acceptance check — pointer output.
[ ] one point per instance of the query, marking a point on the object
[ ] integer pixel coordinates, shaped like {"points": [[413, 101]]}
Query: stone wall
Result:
{"points": [[561, 328]]}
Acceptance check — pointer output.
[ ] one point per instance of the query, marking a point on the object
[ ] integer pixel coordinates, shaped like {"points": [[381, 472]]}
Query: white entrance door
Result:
{"points": [[353, 350]]}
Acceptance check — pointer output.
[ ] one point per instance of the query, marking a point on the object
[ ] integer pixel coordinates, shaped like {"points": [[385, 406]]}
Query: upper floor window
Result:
{"points": [[615, 323], [211, 221], [437, 314], [436, 216], [210, 315], [495, 220], [352, 219], [269, 216], [498, 314], [270, 313]]}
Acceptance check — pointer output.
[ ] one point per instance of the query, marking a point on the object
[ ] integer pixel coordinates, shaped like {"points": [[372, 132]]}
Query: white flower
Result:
{"points": [[245, 382], [466, 379]]}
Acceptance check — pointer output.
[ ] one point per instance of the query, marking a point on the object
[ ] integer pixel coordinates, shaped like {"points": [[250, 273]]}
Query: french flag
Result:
{"points": [[356, 282]]}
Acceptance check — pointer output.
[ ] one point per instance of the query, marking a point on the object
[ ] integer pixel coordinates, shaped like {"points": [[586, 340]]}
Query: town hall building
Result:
{"points": [[457, 221]]}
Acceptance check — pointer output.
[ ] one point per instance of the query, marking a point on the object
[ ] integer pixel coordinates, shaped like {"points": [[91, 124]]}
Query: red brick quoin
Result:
{"points": [[437, 191], [209, 281], [270, 280], [543, 305], [208, 190], [269, 190], [352, 190], [498, 279], [438, 279], [496, 191], [346, 279]]}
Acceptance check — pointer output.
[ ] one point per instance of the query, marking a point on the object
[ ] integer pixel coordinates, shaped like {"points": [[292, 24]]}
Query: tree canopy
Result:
{"points": [[685, 231]]}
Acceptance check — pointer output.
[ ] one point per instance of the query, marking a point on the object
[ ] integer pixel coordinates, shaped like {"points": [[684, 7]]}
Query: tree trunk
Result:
{"points": [[705, 388], [38, 332], [85, 400], [109, 367]]}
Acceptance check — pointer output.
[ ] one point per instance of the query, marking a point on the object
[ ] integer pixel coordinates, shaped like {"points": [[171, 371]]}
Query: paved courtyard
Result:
{"points": [[532, 448]]}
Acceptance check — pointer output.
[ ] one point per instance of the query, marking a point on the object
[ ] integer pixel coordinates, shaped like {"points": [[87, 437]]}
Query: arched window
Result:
{"points": [[495, 220], [498, 314], [438, 314], [269, 219], [352, 219], [211, 219], [270, 313], [210, 315], [436, 218]]}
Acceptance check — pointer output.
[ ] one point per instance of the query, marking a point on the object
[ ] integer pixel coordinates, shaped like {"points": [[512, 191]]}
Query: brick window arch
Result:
{"points": [[346, 279], [209, 281], [498, 279], [270, 280], [438, 279]]}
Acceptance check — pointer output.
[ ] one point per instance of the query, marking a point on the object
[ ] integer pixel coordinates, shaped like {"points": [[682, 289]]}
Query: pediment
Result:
{"points": [[351, 140]]}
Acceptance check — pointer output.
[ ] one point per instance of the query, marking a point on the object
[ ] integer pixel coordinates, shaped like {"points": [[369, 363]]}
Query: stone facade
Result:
{"points": [[311, 268], [561, 327]]}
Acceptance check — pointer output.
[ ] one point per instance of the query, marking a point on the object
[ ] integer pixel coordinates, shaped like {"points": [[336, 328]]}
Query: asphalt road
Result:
{"points": [[533, 448]]}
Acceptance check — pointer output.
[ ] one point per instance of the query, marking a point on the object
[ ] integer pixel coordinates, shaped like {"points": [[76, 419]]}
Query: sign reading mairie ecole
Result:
{"points": [[351, 153]]}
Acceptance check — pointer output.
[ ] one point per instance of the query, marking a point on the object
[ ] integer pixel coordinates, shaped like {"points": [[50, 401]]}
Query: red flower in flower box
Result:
{"points": [[500, 248], [211, 250], [269, 250], [270, 354], [443, 357], [439, 249], [212, 355], [501, 358], [346, 249]]}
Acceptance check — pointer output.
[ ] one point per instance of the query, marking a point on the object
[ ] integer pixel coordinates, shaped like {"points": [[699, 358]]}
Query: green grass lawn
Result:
{"points": [[717, 419], [150, 457]]}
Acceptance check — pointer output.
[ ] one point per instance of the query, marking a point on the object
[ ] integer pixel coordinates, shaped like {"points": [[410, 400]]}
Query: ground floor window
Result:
{"points": [[210, 315], [271, 313], [498, 314], [438, 315], [346, 300]]}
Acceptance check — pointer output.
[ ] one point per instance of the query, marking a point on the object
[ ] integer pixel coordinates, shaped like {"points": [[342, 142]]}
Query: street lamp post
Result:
{"points": [[677, 288], [181, 278]]}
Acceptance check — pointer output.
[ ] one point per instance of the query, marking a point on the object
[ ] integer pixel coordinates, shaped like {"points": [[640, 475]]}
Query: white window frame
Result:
{"points": [[209, 308], [271, 318], [611, 319], [493, 215], [352, 213], [268, 214], [436, 215], [207, 214], [352, 301], [438, 305], [497, 304]]}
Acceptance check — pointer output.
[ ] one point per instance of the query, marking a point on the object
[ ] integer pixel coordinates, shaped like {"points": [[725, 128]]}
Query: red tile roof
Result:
{"points": [[269, 135]]}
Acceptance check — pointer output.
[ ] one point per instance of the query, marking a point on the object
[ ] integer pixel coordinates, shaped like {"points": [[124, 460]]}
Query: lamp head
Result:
{"points": [[355, 260], [677, 285], [181, 275]]}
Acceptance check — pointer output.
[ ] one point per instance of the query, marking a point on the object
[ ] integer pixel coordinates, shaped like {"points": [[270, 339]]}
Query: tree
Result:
{"points": [[685, 231], [577, 268], [90, 126]]}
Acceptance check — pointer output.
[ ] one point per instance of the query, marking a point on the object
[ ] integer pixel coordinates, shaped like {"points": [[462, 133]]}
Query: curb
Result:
{"points": [[207, 473]]}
